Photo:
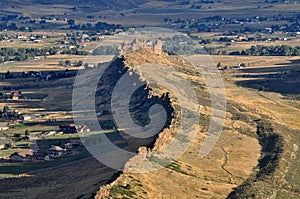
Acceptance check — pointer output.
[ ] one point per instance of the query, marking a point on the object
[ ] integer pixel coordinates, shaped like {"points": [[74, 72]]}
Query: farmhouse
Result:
{"points": [[38, 41], [82, 129], [22, 37], [55, 151], [21, 156], [15, 95], [25, 117], [72, 128]]}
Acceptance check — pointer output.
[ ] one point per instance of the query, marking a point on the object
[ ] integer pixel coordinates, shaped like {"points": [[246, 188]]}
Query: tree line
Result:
{"points": [[74, 51], [22, 54], [99, 26], [261, 50]]}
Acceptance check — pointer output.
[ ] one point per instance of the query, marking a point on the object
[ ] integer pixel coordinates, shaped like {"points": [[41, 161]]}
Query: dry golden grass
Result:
{"points": [[254, 61], [195, 177], [239, 46], [41, 64], [265, 103]]}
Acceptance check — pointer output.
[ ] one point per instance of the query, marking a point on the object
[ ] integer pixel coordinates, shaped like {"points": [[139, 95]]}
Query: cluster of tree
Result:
{"points": [[4, 95], [248, 39], [206, 1], [74, 51], [260, 50], [38, 75], [69, 63], [196, 6], [293, 27], [275, 1], [228, 40], [7, 26], [215, 51], [106, 50], [7, 114], [224, 39], [182, 45], [22, 54], [274, 17], [220, 67], [64, 63], [8, 22], [9, 17], [205, 41], [74, 37]]}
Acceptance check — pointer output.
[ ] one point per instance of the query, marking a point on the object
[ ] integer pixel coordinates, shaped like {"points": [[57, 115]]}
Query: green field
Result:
{"points": [[13, 169]]}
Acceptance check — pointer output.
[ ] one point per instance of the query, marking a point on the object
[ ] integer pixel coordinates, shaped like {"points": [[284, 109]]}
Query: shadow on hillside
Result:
{"points": [[282, 79]]}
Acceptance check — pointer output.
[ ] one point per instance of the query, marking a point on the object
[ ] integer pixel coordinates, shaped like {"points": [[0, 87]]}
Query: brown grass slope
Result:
{"points": [[227, 166]]}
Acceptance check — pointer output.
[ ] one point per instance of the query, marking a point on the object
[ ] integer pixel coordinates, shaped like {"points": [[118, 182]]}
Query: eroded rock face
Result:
{"points": [[140, 102]]}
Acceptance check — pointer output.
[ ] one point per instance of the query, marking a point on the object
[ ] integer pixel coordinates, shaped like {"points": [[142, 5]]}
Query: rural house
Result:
{"points": [[72, 128], [21, 156], [15, 95], [55, 151], [82, 129], [25, 117]]}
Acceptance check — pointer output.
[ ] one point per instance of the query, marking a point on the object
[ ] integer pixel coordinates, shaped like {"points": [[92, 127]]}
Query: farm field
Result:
{"points": [[231, 150], [65, 116]]}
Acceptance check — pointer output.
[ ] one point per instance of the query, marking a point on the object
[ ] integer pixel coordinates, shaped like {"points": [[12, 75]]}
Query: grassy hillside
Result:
{"points": [[227, 165]]}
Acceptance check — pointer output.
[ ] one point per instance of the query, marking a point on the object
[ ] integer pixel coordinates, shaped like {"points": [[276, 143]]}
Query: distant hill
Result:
{"points": [[102, 4]]}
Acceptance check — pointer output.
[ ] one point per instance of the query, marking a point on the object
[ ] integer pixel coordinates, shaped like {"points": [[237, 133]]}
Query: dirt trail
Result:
{"points": [[225, 162]]}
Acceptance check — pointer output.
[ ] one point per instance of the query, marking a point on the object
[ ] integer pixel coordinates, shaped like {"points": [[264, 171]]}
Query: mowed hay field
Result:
{"points": [[254, 61], [41, 64], [239, 46]]}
